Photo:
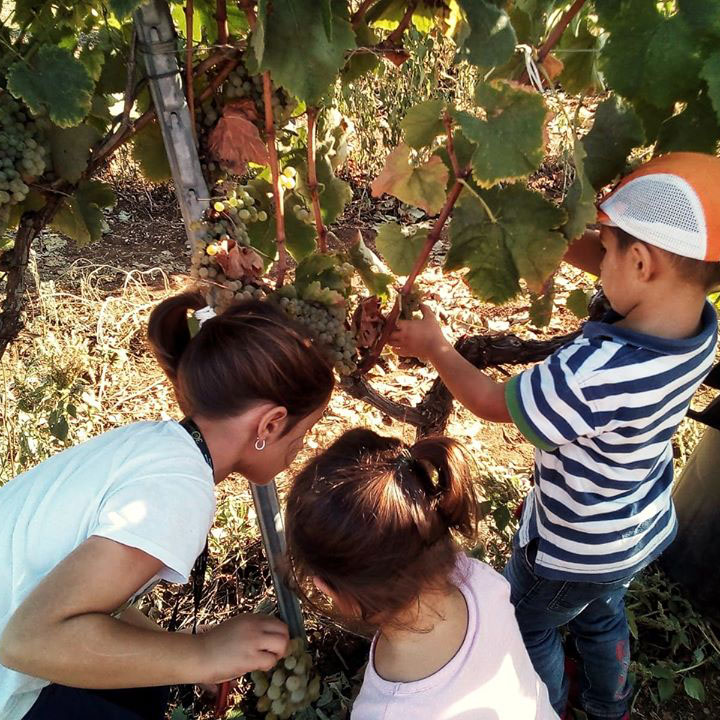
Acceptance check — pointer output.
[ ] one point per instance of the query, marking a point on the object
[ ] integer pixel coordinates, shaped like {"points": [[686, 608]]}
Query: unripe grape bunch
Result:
{"points": [[226, 224], [327, 324], [22, 152], [289, 687], [240, 85]]}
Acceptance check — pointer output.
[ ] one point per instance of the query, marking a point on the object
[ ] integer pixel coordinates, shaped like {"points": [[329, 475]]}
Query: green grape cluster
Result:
{"points": [[240, 84], [326, 324], [289, 687], [226, 220], [410, 304], [234, 291], [22, 153]]}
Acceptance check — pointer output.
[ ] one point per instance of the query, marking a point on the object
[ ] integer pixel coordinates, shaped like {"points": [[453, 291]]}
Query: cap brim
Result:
{"points": [[604, 219]]}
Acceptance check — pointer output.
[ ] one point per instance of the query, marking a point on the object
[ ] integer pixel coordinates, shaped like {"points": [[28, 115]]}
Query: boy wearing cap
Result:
{"points": [[601, 412]]}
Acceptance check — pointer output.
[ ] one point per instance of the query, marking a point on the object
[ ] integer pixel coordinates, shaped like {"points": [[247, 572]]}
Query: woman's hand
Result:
{"points": [[244, 643], [418, 338]]}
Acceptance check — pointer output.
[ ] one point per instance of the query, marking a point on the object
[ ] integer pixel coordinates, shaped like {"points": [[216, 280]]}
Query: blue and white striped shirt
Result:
{"points": [[601, 412]]}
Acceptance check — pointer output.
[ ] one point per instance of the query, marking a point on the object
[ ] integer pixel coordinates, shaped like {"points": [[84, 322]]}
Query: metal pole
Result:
{"points": [[158, 43], [272, 530]]}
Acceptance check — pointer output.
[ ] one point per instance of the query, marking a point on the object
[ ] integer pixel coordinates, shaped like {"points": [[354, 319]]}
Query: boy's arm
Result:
{"points": [[479, 393], [586, 252]]}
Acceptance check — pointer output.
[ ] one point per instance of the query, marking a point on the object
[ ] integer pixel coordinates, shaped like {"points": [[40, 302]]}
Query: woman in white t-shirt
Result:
{"points": [[370, 524], [88, 529]]}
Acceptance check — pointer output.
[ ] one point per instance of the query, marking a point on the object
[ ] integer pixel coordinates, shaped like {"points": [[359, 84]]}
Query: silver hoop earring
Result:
{"points": [[259, 444]]}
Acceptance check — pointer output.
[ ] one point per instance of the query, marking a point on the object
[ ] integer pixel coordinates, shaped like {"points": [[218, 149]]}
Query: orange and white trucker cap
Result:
{"points": [[672, 202]]}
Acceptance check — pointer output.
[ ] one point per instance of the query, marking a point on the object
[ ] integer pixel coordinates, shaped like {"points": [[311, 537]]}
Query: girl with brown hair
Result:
{"points": [[373, 525], [89, 529]]}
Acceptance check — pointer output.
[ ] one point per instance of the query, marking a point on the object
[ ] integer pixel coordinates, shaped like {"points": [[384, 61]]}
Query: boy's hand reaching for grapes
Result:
{"points": [[418, 338]]}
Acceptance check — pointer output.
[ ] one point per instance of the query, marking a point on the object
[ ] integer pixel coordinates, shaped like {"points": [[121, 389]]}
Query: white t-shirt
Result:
{"points": [[491, 676], [145, 485]]}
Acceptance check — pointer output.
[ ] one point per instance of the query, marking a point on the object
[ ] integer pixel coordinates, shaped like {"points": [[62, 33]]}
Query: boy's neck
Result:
{"points": [[672, 313], [409, 655]]}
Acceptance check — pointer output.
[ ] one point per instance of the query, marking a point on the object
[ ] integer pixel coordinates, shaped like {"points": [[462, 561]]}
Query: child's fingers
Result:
{"points": [[426, 310]]}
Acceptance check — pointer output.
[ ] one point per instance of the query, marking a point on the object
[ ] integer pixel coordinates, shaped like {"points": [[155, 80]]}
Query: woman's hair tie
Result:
{"points": [[204, 314]]}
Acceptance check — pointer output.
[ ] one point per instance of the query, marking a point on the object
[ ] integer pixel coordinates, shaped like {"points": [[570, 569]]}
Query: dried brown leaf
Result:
{"points": [[235, 140], [368, 322], [240, 262]]}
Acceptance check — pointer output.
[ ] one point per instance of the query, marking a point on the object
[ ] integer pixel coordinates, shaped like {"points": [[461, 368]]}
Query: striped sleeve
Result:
{"points": [[548, 406]]}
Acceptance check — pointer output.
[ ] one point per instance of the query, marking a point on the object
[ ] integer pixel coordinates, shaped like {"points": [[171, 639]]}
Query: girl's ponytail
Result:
{"points": [[168, 330], [452, 490], [376, 520]]}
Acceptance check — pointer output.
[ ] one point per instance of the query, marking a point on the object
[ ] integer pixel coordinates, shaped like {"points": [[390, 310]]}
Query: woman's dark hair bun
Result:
{"points": [[250, 353]]}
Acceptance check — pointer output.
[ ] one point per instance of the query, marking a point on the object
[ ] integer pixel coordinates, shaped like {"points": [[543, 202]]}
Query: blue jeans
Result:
{"points": [[595, 616]]}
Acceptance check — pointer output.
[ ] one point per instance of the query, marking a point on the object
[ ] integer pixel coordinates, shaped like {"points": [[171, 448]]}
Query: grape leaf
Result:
{"points": [[711, 74], [386, 14], [702, 15], [70, 150], [235, 140], [649, 56], [615, 132], [694, 688], [262, 234], [57, 83], [124, 8], [423, 123], [334, 194], [81, 217], [369, 267], [179, 17], [33, 201], [360, 62], [423, 186], [577, 303], [149, 153], [327, 17], [295, 40], [541, 306], [492, 273], [113, 77], [578, 52], [490, 39], [580, 199], [695, 129], [299, 237], [523, 242], [651, 118], [464, 150], [93, 58], [510, 141], [400, 250], [323, 268], [100, 116], [257, 39]]}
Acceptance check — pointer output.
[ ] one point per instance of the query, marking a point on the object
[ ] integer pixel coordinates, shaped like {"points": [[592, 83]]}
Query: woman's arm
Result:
{"points": [[63, 630]]}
